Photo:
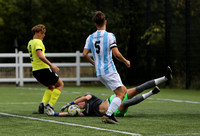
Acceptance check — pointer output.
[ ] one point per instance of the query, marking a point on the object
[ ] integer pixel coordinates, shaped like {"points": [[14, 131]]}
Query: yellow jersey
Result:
{"points": [[33, 46]]}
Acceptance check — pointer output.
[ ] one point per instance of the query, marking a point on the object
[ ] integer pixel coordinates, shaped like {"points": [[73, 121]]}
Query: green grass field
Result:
{"points": [[172, 112]]}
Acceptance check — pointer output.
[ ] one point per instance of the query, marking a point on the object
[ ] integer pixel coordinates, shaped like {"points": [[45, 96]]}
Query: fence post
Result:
{"points": [[17, 67], [21, 72], [78, 83]]}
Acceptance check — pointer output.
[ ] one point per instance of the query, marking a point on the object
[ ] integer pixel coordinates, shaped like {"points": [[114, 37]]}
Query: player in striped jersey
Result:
{"points": [[102, 44]]}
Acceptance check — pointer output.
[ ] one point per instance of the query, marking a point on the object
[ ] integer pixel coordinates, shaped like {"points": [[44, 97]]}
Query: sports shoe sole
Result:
{"points": [[169, 73], [106, 119]]}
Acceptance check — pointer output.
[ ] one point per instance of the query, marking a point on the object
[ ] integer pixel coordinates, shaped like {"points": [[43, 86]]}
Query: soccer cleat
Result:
{"points": [[169, 73], [49, 106], [41, 108], [109, 119], [49, 111], [155, 90]]}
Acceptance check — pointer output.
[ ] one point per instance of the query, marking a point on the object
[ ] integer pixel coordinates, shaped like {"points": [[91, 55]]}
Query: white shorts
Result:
{"points": [[111, 81]]}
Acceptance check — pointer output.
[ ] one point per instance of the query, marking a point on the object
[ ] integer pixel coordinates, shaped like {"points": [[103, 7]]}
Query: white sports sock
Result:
{"points": [[146, 95], [160, 80], [113, 106]]}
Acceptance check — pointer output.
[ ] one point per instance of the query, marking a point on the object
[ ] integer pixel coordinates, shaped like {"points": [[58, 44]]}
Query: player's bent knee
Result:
{"points": [[51, 87], [120, 92]]}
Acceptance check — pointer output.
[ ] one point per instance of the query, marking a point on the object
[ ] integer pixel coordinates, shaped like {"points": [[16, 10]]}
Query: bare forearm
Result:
{"points": [[63, 114], [45, 60], [120, 57], [81, 99], [90, 59], [86, 56]]}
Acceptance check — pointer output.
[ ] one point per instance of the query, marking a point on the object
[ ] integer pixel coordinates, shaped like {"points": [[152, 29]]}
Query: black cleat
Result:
{"points": [[109, 119], [155, 90], [41, 108], [169, 73]]}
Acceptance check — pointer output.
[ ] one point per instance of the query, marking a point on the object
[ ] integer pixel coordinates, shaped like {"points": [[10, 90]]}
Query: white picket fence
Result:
{"points": [[19, 66]]}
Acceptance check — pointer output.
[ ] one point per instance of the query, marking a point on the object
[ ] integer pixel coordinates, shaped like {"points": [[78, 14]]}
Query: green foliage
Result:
{"points": [[69, 23], [154, 34]]}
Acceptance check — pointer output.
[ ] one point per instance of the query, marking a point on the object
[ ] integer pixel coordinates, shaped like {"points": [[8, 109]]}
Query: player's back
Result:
{"points": [[33, 46], [101, 43]]}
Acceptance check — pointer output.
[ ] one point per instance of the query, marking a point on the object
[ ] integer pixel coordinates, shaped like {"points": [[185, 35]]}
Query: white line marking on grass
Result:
{"points": [[186, 134], [24, 103], [70, 124], [172, 100]]}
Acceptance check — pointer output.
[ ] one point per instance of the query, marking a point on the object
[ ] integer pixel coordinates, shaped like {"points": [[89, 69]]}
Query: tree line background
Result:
{"points": [[150, 33]]}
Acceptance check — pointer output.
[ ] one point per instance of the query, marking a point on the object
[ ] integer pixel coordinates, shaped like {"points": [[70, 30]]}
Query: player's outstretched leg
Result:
{"points": [[155, 82], [138, 99]]}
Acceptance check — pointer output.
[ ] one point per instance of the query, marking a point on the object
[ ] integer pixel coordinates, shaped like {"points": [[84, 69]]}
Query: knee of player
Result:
{"points": [[62, 83], [124, 90], [51, 87]]}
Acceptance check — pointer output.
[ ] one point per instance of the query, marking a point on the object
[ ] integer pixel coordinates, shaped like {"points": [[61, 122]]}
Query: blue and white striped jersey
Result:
{"points": [[101, 43]]}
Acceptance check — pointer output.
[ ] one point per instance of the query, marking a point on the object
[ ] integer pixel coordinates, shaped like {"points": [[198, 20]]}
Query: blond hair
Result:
{"points": [[38, 28]]}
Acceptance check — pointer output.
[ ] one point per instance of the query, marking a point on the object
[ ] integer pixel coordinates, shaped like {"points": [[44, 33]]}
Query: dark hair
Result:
{"points": [[99, 18], [38, 28]]}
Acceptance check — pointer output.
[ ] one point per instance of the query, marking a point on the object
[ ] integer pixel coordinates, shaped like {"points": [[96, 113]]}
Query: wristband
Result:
{"points": [[72, 103], [56, 113]]}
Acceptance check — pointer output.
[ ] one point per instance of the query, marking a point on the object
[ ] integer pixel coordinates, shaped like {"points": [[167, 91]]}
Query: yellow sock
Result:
{"points": [[54, 97], [46, 96]]}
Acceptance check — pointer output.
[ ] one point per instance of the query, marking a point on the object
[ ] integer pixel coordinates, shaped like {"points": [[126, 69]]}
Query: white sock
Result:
{"points": [[160, 80], [146, 95], [113, 106]]}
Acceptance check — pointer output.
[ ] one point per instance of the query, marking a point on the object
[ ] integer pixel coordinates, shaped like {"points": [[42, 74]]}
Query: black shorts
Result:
{"points": [[46, 76]]}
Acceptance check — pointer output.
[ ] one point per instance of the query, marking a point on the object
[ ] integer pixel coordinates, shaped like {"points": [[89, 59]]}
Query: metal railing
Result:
{"points": [[19, 66]]}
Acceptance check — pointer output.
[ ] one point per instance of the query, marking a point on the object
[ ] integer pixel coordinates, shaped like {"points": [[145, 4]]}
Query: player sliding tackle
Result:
{"points": [[94, 106]]}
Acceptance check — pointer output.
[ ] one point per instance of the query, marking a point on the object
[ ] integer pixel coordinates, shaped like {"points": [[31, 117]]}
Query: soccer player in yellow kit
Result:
{"points": [[43, 70]]}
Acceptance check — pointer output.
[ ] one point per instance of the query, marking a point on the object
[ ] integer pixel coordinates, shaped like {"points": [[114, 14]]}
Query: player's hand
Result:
{"points": [[128, 64], [55, 68], [65, 107], [50, 111]]}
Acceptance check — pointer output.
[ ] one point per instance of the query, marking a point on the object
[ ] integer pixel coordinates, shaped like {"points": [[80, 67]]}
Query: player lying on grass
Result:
{"points": [[94, 106]]}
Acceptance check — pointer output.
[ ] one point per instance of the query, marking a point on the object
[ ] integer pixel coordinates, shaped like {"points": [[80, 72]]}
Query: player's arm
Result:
{"points": [[87, 57], [65, 114], [83, 98], [45, 60], [120, 57], [76, 101], [50, 112]]}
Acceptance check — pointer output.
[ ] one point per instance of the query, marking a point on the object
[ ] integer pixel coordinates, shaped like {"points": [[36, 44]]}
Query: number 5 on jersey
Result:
{"points": [[97, 46]]}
